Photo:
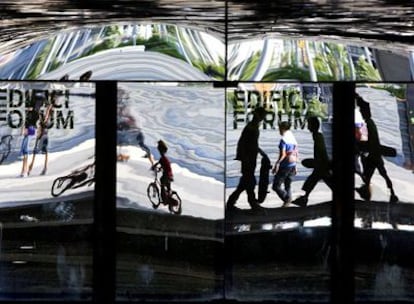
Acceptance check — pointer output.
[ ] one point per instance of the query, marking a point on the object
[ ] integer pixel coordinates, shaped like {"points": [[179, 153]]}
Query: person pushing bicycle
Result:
{"points": [[167, 174]]}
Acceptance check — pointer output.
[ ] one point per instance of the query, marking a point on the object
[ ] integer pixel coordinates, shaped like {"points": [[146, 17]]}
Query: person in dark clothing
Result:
{"points": [[374, 159], [320, 163], [246, 153]]}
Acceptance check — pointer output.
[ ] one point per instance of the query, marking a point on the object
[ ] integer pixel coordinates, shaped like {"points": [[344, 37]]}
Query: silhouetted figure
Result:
{"points": [[86, 76], [373, 160], [320, 163], [247, 149], [285, 166]]}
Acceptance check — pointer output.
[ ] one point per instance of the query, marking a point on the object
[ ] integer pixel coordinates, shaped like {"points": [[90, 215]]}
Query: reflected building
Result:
{"points": [[192, 72], [181, 53]]}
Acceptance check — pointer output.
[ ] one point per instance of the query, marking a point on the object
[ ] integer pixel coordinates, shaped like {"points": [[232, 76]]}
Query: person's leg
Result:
{"points": [[45, 143], [251, 195], [36, 149], [45, 164], [368, 170], [141, 144], [24, 151], [384, 174], [288, 182], [328, 179], [24, 165], [278, 180], [311, 182], [234, 196], [31, 163]]}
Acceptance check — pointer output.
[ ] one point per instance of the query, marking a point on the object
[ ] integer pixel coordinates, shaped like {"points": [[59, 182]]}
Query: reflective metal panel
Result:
{"points": [[383, 197], [170, 201], [47, 173], [278, 214]]}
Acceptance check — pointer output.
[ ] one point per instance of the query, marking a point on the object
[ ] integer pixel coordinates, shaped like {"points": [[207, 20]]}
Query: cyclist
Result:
{"points": [[167, 174]]}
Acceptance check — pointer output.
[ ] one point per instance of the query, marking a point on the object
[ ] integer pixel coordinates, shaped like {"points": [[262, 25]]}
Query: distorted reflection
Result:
{"points": [[170, 147], [292, 104], [120, 52], [47, 132], [384, 214], [271, 231], [272, 59]]}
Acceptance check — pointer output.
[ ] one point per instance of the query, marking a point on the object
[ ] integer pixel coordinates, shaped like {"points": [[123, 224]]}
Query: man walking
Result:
{"points": [[247, 150]]}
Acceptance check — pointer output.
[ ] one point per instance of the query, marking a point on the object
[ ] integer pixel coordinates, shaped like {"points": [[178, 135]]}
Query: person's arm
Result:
{"points": [[261, 152], [282, 156], [154, 166]]}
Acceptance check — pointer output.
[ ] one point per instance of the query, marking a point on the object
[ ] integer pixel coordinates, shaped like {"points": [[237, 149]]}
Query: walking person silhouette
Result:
{"points": [[320, 163], [246, 153], [373, 160]]}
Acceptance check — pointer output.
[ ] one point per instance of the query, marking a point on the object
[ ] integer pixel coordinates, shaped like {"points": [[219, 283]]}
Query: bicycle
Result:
{"points": [[157, 194], [5, 147], [75, 179]]}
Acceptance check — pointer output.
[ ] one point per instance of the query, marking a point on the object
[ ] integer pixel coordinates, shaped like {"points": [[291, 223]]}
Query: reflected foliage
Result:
{"points": [[301, 60]]}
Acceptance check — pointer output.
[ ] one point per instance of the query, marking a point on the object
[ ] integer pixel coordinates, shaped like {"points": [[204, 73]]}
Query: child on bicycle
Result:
{"points": [[167, 174]]}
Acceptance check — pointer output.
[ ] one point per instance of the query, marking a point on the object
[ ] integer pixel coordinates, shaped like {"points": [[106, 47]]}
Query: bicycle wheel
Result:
{"points": [[60, 185], [175, 203], [153, 195]]}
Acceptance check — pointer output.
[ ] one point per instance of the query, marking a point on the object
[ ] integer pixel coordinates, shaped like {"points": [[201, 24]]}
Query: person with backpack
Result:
{"points": [[285, 166]]}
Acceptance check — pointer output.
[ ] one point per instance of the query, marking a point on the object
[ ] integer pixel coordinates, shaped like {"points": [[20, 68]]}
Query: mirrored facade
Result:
{"points": [[383, 212], [165, 99], [170, 183], [271, 59], [278, 220], [138, 51], [47, 173]]}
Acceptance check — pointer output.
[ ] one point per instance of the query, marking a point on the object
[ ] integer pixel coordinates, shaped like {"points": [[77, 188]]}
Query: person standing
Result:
{"points": [[285, 166], [246, 153], [42, 138], [34, 102]]}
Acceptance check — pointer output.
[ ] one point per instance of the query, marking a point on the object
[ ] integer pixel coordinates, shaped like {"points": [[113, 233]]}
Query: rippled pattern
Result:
{"points": [[373, 20], [382, 20], [24, 23], [385, 25], [190, 119]]}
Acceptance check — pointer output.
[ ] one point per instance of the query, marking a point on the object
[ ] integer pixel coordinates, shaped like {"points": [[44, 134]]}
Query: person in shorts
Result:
{"points": [[42, 138]]}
